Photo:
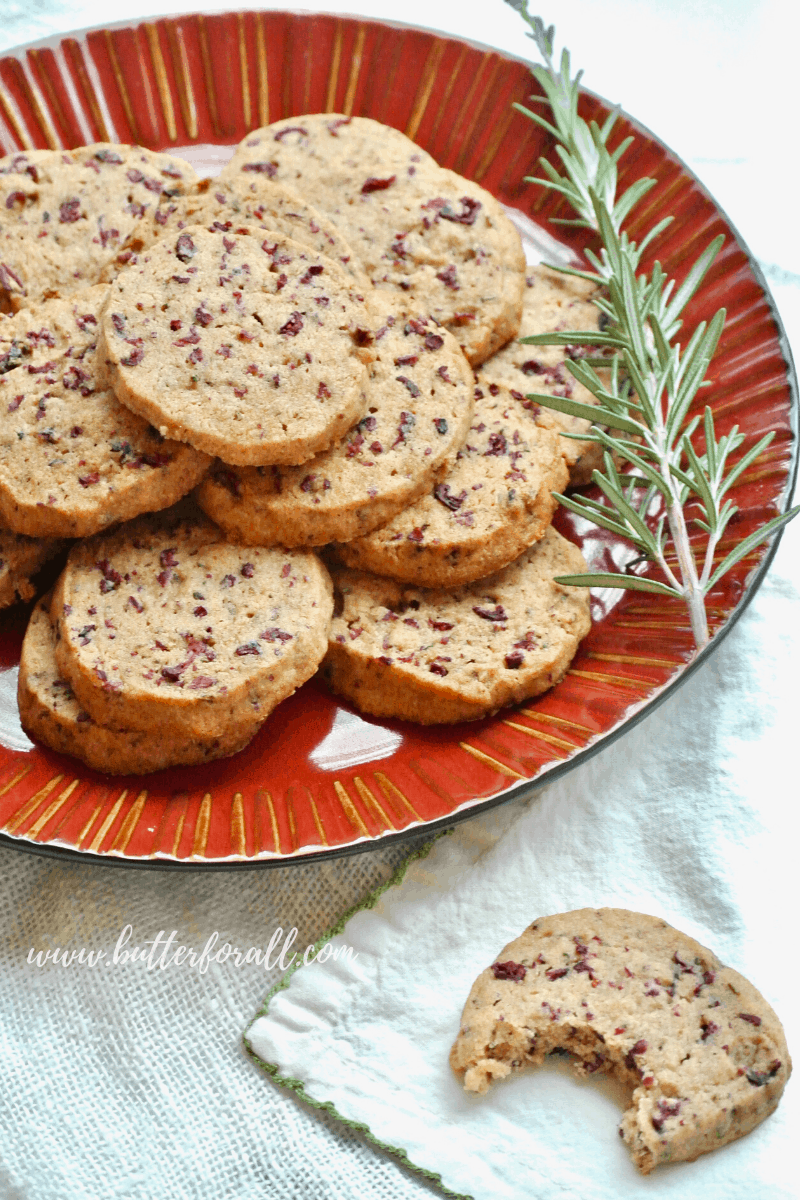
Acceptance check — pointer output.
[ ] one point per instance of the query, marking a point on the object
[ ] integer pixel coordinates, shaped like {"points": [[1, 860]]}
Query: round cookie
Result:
{"points": [[420, 404], [164, 623], [440, 240], [495, 502], [20, 559], [551, 301], [70, 218], [248, 200], [437, 657], [247, 347], [49, 711], [72, 458], [702, 1050]]}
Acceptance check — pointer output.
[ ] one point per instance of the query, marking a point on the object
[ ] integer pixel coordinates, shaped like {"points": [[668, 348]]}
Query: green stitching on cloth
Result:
{"points": [[296, 1085]]}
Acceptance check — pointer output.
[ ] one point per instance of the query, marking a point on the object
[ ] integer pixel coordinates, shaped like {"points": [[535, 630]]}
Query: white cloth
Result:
{"points": [[119, 1082]]}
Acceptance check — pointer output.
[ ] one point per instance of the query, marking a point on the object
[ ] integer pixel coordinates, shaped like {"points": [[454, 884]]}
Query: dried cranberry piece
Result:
{"points": [[491, 614], [282, 133], [312, 271], [407, 360], [376, 185], [751, 1018], [88, 480], [469, 211], [513, 971], [440, 424], [276, 635], [637, 1048], [202, 316], [443, 494], [247, 648], [134, 358], [497, 445], [108, 156], [70, 211], [449, 278], [135, 604], [248, 570], [173, 674], [293, 325], [409, 383], [407, 423], [440, 625], [262, 168], [228, 479], [437, 669], [759, 1078], [514, 660], [433, 341], [185, 248], [556, 972]]}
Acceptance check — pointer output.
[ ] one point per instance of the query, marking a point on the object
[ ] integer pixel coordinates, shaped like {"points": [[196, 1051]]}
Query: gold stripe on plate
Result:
{"points": [[19, 775], [545, 737], [318, 821], [632, 658], [370, 801], [392, 793], [491, 762], [51, 810], [201, 827], [169, 808], [120, 82], [355, 68], [73, 51], [28, 807], [292, 821], [466, 105], [88, 825], [43, 78], [621, 680], [14, 123], [350, 810], [262, 74], [176, 841], [238, 829], [183, 79], [208, 74], [127, 827], [244, 69], [448, 91], [97, 840], [425, 88], [495, 142], [333, 75], [478, 116], [276, 838], [539, 716], [162, 81]]}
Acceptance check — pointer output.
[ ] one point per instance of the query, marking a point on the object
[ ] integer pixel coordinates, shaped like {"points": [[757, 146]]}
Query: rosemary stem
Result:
{"points": [[693, 593]]}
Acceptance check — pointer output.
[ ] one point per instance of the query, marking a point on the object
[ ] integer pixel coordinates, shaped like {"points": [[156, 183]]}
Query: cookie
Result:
{"points": [[552, 301], [247, 347], [442, 242], [253, 200], [420, 403], [164, 623], [20, 559], [495, 502], [49, 712], [702, 1050], [436, 656], [72, 458], [70, 218]]}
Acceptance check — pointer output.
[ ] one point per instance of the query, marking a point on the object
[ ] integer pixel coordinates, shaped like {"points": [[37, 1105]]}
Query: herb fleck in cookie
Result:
{"points": [[71, 218], [20, 559], [436, 656], [551, 302], [247, 347], [420, 403], [164, 623], [72, 458], [495, 502], [703, 1052], [438, 239], [49, 711]]}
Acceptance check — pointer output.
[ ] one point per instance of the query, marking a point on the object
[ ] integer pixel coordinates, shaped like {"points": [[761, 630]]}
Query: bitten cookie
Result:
{"points": [[49, 711], [247, 347], [20, 559], [440, 240], [72, 458], [551, 302], [436, 657], [164, 623], [495, 502], [252, 199], [702, 1050], [70, 218], [420, 403]]}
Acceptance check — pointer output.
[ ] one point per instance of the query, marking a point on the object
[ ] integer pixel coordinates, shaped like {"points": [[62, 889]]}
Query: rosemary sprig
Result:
{"points": [[649, 381]]}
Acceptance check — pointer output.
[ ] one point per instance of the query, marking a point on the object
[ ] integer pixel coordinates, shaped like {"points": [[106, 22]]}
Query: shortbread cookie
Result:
{"points": [[70, 218], [253, 200], [72, 458], [552, 302], [20, 559], [49, 711], [436, 656], [247, 347], [440, 240], [420, 404], [162, 621], [495, 502], [702, 1050]]}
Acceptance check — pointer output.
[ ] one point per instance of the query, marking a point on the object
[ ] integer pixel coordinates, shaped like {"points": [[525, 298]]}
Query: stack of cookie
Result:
{"points": [[299, 341]]}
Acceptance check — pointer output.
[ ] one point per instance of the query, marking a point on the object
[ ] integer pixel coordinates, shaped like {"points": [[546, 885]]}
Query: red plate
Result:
{"points": [[318, 780]]}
